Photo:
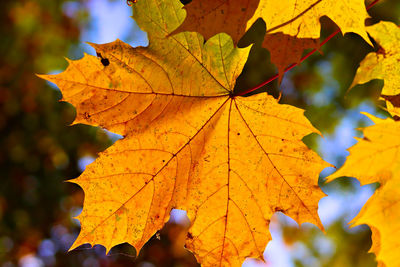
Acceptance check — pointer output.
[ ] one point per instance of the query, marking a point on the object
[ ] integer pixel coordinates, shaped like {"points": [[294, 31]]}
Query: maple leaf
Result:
{"points": [[376, 158], [292, 26], [212, 17], [383, 64], [294, 18], [301, 18], [381, 213], [286, 50], [189, 143]]}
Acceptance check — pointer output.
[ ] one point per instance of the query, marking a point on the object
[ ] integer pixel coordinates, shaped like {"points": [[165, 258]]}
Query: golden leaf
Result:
{"points": [[293, 26], [189, 143], [301, 18], [216, 16], [381, 213], [383, 64], [376, 158]]}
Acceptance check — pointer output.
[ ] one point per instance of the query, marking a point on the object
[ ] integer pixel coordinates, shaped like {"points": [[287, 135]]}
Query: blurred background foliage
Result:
{"points": [[39, 150]]}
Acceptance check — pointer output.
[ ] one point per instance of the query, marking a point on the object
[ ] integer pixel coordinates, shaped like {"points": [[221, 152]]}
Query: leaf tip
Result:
{"points": [[72, 181], [76, 244], [372, 117], [366, 38], [41, 76], [46, 77], [67, 59], [90, 43], [332, 177], [93, 45]]}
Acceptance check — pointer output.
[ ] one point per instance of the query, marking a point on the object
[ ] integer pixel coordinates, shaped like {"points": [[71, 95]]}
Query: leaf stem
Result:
{"points": [[300, 61]]}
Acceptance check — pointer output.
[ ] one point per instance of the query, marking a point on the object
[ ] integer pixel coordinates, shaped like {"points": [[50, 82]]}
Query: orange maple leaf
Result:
{"points": [[189, 143]]}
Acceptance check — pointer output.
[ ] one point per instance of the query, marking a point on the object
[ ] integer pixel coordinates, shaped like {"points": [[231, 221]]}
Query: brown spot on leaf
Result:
{"points": [[366, 139], [189, 235]]}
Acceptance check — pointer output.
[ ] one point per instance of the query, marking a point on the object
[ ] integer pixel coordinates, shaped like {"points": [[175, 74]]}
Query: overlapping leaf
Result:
{"points": [[294, 18], [212, 17], [384, 64], [376, 158], [189, 143], [286, 50], [301, 18], [292, 26], [381, 213]]}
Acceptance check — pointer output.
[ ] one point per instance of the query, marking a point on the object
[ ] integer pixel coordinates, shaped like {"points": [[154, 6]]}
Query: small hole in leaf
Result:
{"points": [[105, 62]]}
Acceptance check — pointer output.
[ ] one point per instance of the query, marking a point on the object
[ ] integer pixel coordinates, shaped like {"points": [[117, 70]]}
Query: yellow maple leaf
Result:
{"points": [[293, 26], [301, 18], [189, 143], [381, 213], [376, 158], [383, 64]]}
